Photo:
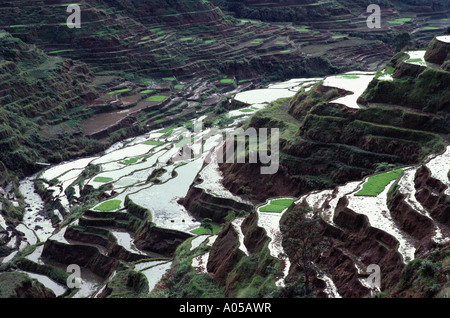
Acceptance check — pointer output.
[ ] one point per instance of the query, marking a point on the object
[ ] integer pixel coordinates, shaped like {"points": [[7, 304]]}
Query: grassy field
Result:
{"points": [[119, 91], [156, 98], [109, 205], [226, 81], [153, 143], [131, 161], [277, 205], [400, 21], [103, 179], [377, 183], [202, 230], [348, 76]]}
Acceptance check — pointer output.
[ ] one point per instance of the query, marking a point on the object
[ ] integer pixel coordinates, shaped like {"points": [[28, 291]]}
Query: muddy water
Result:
{"points": [[37, 226]]}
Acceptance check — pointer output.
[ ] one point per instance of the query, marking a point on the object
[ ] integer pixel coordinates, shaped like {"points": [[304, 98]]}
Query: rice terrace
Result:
{"points": [[225, 156]]}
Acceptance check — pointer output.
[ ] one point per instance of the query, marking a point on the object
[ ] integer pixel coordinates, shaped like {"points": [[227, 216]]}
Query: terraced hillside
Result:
{"points": [[330, 139], [132, 68]]}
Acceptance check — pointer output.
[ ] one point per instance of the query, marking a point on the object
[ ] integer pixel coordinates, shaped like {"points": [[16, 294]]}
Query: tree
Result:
{"points": [[400, 41], [302, 241], [207, 224]]}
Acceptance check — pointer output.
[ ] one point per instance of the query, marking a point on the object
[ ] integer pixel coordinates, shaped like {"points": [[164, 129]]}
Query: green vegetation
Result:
{"points": [[182, 281], [426, 278], [400, 20], [348, 76], [153, 143], [156, 98], [109, 205], [203, 230], [147, 91], [416, 60], [128, 284], [303, 28], [377, 183], [13, 282], [338, 36], [103, 179], [227, 81], [61, 51], [120, 91], [131, 160], [277, 205]]}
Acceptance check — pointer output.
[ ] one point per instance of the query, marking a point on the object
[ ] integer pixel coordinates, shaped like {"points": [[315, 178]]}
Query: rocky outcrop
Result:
{"points": [[437, 52], [430, 192], [83, 255], [224, 254], [410, 220], [355, 246], [205, 205], [159, 240], [255, 237]]}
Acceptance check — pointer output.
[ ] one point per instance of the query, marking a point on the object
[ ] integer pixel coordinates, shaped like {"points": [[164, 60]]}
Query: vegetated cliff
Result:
{"points": [[40, 97], [19, 285], [418, 84], [324, 144]]}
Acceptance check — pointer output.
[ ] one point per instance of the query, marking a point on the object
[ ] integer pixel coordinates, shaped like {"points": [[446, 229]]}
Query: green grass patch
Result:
{"points": [[285, 51], [156, 98], [390, 70], [153, 142], [377, 183], [302, 29], [109, 205], [103, 179], [417, 60], [179, 86], [60, 51], [186, 39], [169, 79], [400, 20], [280, 43], [120, 91], [431, 28], [246, 110], [131, 161], [166, 130], [277, 205], [202, 230], [147, 91], [226, 81], [348, 76]]}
